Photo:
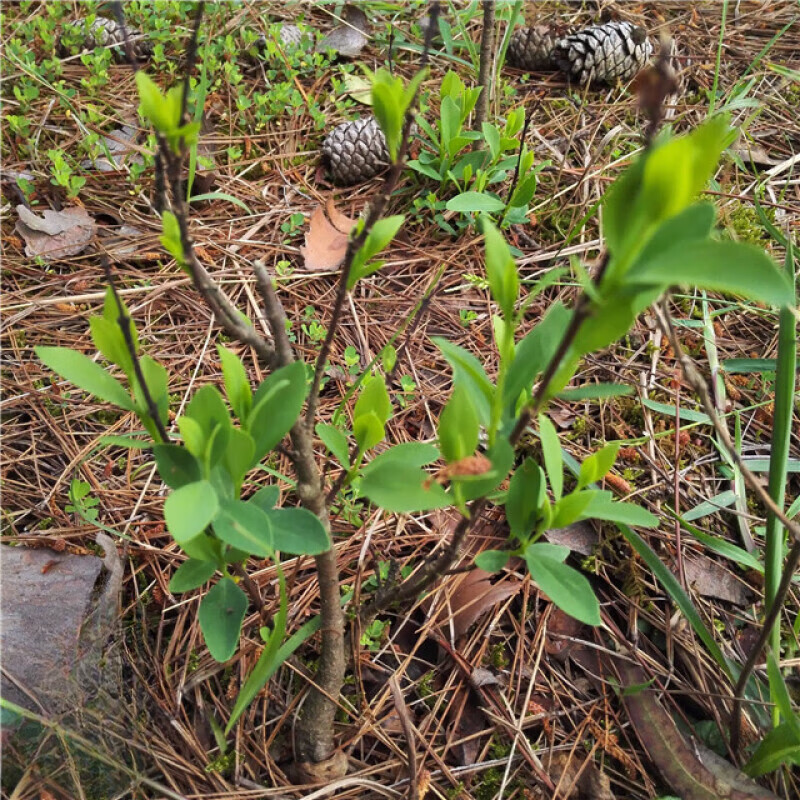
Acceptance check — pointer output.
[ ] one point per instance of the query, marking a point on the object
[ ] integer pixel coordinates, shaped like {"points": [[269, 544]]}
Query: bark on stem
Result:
{"points": [[485, 69]]}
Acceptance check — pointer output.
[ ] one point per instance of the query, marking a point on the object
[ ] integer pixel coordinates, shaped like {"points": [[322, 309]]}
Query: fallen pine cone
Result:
{"points": [[532, 48], [605, 53], [355, 151], [103, 33]]}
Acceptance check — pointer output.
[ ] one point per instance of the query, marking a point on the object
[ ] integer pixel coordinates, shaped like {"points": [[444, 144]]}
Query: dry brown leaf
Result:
{"points": [[580, 537], [56, 234], [472, 596], [348, 39], [560, 626], [690, 774], [326, 244], [711, 579], [576, 780], [341, 222]]}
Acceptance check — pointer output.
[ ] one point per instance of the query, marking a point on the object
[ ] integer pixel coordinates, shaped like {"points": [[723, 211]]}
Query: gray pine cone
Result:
{"points": [[355, 151], [606, 53], [532, 48], [105, 33]]}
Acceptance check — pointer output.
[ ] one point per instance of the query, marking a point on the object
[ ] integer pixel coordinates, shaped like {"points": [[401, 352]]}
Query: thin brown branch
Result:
{"points": [[486, 66]]}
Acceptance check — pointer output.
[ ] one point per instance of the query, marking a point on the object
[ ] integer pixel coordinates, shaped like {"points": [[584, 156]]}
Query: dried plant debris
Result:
{"points": [[349, 38], [77, 37], [56, 234], [326, 239]]}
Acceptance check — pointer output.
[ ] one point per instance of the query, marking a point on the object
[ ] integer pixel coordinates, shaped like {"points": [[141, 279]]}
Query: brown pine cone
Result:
{"points": [[355, 151], [532, 48]]}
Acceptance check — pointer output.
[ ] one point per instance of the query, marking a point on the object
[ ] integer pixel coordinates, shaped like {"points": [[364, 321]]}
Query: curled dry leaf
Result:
{"points": [[711, 579], [561, 628], [580, 537], [56, 234], [578, 780], [326, 239], [348, 39]]}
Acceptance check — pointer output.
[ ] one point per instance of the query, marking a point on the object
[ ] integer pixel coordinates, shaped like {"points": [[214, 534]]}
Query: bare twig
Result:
{"points": [[485, 68], [654, 85], [375, 211], [191, 58]]}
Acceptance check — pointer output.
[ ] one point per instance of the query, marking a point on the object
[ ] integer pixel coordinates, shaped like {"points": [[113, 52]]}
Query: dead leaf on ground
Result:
{"points": [[560, 628], [580, 537], [470, 595], [711, 579], [349, 38], [577, 779], [56, 234], [120, 144], [688, 774], [326, 239], [471, 722]]}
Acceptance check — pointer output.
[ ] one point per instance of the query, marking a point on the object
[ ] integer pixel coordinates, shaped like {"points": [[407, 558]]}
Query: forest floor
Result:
{"points": [[537, 699]]}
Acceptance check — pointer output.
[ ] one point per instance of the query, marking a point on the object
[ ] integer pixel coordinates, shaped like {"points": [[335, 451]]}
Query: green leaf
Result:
{"points": [[335, 441], [276, 406], [687, 415], [525, 496], [401, 486], [626, 513], [551, 453], [206, 196], [111, 313], [193, 436], [492, 560], [597, 465], [748, 365], [176, 465], [153, 105], [779, 694], [469, 372], [298, 531], [500, 269], [86, 375], [387, 101], [189, 510], [501, 456], [780, 746], [128, 442], [267, 665], [221, 614], [207, 408], [204, 548], [458, 427], [237, 386], [596, 391], [417, 454], [155, 378], [568, 589], [692, 224], [724, 266], [266, 498], [474, 202], [571, 508], [245, 526], [618, 203], [191, 574], [368, 431], [239, 455], [372, 410], [534, 353], [171, 238], [555, 552], [379, 237], [108, 339]]}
